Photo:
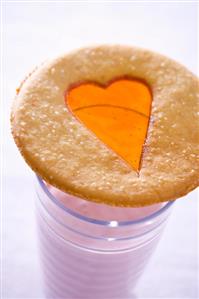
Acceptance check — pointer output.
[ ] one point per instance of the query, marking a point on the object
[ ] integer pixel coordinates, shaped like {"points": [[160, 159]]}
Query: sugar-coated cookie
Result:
{"points": [[70, 150]]}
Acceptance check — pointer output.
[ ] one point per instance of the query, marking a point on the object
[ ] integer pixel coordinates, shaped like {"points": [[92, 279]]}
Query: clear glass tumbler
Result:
{"points": [[86, 257]]}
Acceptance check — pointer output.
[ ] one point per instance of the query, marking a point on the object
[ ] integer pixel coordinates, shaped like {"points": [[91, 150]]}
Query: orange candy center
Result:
{"points": [[118, 114]]}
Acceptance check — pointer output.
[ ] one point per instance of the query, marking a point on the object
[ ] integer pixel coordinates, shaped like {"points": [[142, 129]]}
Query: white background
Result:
{"points": [[33, 32]]}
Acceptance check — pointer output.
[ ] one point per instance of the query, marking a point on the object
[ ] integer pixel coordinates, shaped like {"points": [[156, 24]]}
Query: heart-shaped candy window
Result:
{"points": [[118, 114]]}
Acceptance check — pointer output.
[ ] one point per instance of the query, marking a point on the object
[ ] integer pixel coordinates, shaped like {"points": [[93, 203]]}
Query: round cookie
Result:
{"points": [[67, 155]]}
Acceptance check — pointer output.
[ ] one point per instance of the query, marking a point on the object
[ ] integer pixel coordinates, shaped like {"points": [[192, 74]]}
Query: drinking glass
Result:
{"points": [[90, 250]]}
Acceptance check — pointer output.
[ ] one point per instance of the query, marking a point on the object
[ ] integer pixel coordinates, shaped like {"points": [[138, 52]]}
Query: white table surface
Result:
{"points": [[33, 32]]}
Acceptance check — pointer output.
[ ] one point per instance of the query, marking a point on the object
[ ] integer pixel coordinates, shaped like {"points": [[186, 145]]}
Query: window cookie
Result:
{"points": [[111, 124]]}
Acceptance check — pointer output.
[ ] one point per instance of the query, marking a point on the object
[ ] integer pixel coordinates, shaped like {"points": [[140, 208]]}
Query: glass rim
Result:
{"points": [[111, 223]]}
